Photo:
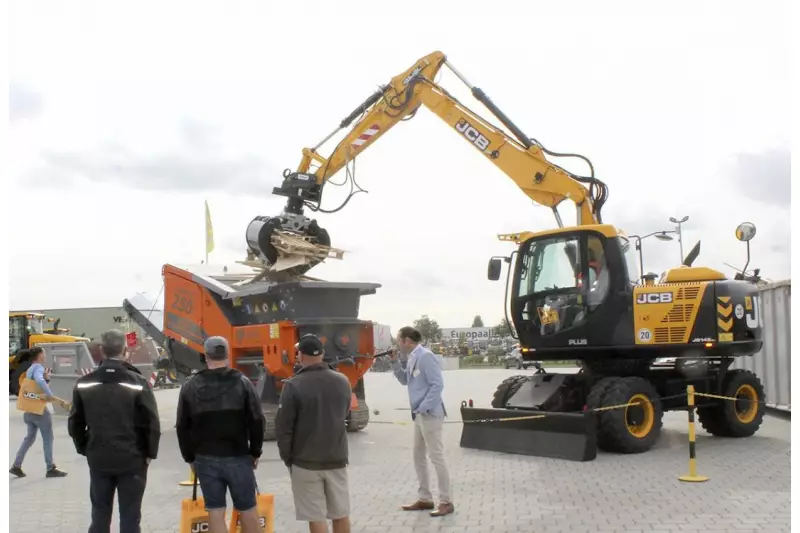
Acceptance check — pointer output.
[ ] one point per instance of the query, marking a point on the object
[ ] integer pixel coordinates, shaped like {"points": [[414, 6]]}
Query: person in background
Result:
{"points": [[114, 422], [220, 433], [423, 377], [41, 423], [312, 439]]}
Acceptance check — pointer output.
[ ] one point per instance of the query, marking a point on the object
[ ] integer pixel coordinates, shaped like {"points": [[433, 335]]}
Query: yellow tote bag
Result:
{"points": [[194, 517], [30, 398], [265, 503]]}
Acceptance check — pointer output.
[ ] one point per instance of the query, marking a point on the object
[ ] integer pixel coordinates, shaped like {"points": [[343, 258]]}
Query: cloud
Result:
{"points": [[196, 166], [23, 102], [766, 176]]}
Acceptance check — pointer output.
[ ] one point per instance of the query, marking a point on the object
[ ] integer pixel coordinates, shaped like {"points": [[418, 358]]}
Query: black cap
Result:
{"points": [[310, 345]]}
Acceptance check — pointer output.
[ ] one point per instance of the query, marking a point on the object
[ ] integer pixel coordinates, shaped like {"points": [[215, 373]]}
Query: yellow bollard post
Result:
{"points": [[692, 476], [190, 481]]}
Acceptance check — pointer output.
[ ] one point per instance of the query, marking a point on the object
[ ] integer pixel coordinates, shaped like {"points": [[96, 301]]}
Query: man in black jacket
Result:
{"points": [[312, 439], [114, 423], [220, 433]]}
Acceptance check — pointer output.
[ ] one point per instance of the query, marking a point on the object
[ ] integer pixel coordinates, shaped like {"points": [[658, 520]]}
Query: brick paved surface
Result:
{"points": [[748, 490]]}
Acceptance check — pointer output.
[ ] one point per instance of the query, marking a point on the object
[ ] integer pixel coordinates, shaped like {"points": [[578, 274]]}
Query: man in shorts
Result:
{"points": [[312, 439], [220, 433]]}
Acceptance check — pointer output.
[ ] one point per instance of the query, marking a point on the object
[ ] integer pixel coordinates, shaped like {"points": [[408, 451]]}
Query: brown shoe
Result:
{"points": [[444, 509], [419, 505]]}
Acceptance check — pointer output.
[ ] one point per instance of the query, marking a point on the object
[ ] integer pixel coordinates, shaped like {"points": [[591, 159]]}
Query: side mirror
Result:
{"points": [[746, 231], [495, 267]]}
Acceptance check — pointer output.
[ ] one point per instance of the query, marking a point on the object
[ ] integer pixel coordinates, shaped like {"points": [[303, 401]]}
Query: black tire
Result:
{"points": [[358, 419], [270, 411], [615, 430], [724, 418], [506, 390], [598, 392]]}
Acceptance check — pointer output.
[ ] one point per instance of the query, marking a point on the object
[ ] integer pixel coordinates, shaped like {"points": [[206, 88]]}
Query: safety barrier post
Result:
{"points": [[189, 482], [692, 476]]}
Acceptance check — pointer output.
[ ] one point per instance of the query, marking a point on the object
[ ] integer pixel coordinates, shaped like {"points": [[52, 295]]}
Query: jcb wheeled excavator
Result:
{"points": [[574, 294]]}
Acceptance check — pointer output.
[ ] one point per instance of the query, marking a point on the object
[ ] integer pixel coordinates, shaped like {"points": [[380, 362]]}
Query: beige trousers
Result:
{"points": [[428, 445]]}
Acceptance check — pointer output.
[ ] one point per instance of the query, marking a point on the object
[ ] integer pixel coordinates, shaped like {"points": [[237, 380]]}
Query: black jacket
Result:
{"points": [[311, 420], [114, 418], [219, 414]]}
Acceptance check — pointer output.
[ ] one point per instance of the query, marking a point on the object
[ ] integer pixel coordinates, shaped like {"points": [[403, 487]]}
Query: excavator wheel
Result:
{"points": [[632, 429], [742, 418], [506, 390], [358, 419], [270, 412]]}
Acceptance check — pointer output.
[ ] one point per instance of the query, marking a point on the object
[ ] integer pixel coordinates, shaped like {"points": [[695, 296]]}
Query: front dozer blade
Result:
{"points": [[570, 436]]}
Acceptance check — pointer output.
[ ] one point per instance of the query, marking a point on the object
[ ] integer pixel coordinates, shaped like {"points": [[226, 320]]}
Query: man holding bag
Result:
{"points": [[32, 399], [220, 433]]}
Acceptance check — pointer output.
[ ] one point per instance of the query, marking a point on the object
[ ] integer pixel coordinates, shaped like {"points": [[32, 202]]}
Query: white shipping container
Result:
{"points": [[773, 364]]}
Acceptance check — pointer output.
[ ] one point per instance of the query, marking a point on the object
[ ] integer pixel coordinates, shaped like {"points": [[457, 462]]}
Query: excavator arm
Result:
{"points": [[519, 157]]}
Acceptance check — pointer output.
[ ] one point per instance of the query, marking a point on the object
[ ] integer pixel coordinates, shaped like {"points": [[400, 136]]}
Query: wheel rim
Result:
{"points": [[640, 418], [746, 404], [172, 374]]}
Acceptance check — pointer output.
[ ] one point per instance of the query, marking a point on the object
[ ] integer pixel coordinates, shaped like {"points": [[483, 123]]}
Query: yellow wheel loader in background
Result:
{"points": [[573, 293], [26, 330]]}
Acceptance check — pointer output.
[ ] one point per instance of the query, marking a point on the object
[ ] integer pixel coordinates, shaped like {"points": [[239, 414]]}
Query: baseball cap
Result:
{"points": [[216, 348], [310, 345]]}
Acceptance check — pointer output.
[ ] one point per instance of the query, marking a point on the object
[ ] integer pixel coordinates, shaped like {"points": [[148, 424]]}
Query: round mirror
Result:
{"points": [[746, 231]]}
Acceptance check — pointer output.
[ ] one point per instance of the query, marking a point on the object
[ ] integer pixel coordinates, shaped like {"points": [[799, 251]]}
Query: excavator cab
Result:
{"points": [[570, 288]]}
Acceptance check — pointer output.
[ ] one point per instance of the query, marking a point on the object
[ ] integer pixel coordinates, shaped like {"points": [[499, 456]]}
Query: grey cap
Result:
{"points": [[217, 348]]}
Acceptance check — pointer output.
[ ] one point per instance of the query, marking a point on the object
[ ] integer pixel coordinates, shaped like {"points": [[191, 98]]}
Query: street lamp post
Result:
{"points": [[678, 231], [660, 235]]}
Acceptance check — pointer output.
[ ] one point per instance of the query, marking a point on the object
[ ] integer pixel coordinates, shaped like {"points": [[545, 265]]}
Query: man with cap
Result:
{"points": [[220, 434], [114, 422], [312, 439]]}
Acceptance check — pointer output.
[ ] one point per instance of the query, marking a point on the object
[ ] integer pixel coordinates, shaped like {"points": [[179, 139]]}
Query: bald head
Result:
{"points": [[113, 344]]}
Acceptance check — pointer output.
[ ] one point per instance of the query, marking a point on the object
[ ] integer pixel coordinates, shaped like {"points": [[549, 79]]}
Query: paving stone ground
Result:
{"points": [[749, 489]]}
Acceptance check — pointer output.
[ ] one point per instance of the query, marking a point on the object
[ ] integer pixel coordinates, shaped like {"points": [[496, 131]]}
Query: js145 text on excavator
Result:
{"points": [[572, 293]]}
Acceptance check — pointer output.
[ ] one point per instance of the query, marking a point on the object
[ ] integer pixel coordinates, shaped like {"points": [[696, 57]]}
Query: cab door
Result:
{"points": [[571, 291]]}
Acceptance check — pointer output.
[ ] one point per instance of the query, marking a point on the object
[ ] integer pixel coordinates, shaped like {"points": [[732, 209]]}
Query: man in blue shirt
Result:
{"points": [[42, 423], [423, 377]]}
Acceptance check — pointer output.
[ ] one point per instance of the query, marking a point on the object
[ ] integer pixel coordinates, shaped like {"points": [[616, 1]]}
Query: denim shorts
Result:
{"points": [[216, 475]]}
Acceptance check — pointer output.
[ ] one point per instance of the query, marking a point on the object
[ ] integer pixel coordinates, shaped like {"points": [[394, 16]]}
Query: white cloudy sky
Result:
{"points": [[125, 116]]}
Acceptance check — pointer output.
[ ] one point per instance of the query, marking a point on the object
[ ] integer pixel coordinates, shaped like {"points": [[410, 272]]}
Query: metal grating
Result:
{"points": [[679, 313], [688, 293], [670, 335]]}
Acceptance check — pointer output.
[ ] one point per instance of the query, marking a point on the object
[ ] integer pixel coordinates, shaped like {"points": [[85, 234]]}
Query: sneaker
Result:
{"points": [[17, 471], [55, 472]]}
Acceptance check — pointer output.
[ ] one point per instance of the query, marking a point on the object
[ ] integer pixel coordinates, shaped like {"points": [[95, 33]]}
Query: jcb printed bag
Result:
{"points": [[265, 504], [194, 517], [31, 398]]}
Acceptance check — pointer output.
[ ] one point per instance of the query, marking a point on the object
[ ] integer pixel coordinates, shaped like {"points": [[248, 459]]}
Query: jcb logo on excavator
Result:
{"points": [[654, 298], [473, 135]]}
